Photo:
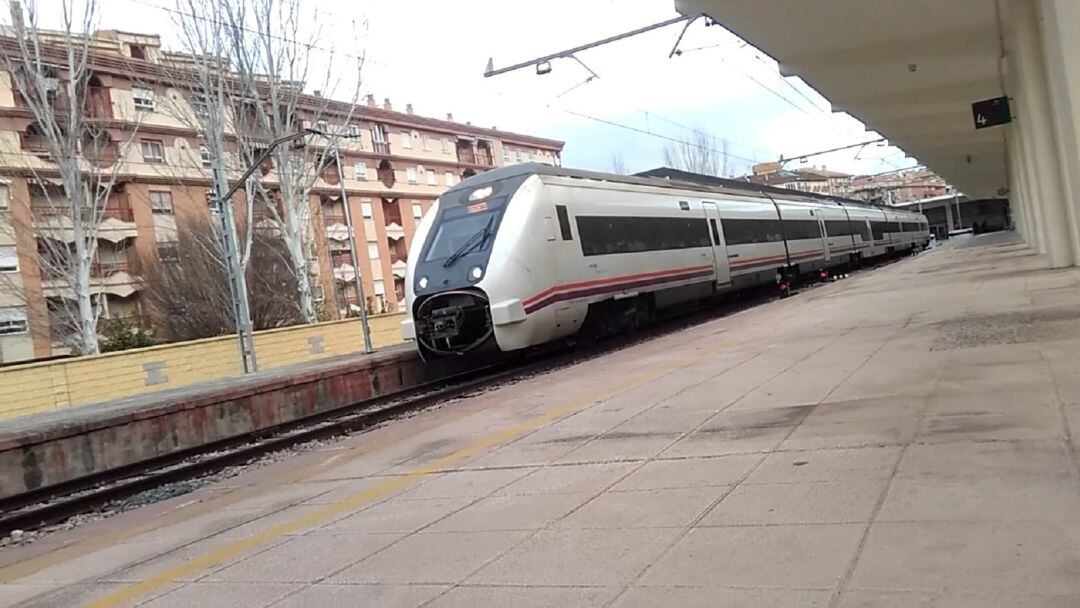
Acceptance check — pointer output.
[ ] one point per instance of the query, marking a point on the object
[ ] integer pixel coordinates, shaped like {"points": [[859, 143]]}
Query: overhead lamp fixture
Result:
{"points": [[543, 68]]}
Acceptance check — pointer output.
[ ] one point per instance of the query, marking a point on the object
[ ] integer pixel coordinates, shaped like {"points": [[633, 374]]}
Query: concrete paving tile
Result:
{"points": [[178, 557], [1036, 423], [643, 508], [303, 559], [616, 446], [524, 454], [465, 484], [98, 563], [344, 489], [80, 594], [798, 503], [827, 465], [734, 420], [663, 420], [867, 409], [525, 512], [274, 498], [996, 498], [708, 442], [269, 520], [718, 597], [514, 597], [396, 515], [200, 526], [366, 596], [568, 479], [578, 557], [998, 458], [852, 433], [914, 599], [971, 557], [13, 593], [430, 558], [689, 472], [802, 557], [226, 595], [989, 402]]}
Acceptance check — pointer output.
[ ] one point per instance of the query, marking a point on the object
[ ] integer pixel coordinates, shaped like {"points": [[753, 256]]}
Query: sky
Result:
{"points": [[432, 54]]}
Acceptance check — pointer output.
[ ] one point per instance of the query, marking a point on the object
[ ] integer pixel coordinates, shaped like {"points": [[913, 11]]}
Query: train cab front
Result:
{"points": [[445, 282]]}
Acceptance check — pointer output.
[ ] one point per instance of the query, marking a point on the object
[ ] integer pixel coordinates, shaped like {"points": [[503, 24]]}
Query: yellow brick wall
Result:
{"points": [[40, 387]]}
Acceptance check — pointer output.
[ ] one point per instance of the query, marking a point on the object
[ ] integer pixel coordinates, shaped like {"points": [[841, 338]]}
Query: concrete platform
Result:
{"points": [[902, 438]]}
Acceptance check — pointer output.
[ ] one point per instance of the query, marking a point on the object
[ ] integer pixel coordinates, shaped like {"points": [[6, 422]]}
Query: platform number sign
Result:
{"points": [[991, 112]]}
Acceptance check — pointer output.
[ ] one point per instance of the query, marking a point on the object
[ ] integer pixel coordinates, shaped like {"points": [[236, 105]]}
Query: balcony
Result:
{"points": [[118, 277], [381, 147], [116, 222]]}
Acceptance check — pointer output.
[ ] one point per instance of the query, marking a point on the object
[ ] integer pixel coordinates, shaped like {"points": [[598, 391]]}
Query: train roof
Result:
{"points": [[666, 177]]}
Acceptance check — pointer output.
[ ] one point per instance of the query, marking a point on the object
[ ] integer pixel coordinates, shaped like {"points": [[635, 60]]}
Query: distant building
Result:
{"points": [[813, 179], [394, 168], [897, 187]]}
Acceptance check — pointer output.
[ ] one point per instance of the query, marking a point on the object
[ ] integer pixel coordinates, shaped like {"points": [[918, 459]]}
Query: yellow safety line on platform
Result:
{"points": [[157, 581]]}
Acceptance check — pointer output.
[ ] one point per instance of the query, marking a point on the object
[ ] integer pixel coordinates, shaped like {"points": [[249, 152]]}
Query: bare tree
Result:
{"points": [[273, 65], [73, 158], [187, 287], [618, 165], [702, 153]]}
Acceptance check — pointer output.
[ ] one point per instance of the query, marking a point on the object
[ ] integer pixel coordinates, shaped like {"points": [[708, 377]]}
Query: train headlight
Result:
{"points": [[476, 273], [422, 283]]}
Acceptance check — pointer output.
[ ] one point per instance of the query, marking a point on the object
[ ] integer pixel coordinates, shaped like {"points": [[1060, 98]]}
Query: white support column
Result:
{"points": [[1062, 57], [1029, 188], [1037, 132]]}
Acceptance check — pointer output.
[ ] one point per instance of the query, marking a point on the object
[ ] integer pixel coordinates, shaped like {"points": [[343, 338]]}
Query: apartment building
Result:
{"points": [[394, 165], [813, 179]]}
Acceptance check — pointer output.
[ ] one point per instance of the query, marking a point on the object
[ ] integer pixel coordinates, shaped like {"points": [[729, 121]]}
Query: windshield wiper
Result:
{"points": [[475, 241]]}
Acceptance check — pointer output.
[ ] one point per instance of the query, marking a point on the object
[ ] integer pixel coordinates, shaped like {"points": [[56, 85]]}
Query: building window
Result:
{"points": [[204, 155], [406, 140], [427, 142], [168, 252], [5, 197], [153, 151], [506, 154], [144, 98], [417, 210], [12, 321], [378, 133], [446, 146], [431, 178], [361, 171], [372, 250], [161, 202], [365, 209], [380, 288], [322, 126], [9, 261], [449, 177], [410, 174], [354, 131], [137, 51]]}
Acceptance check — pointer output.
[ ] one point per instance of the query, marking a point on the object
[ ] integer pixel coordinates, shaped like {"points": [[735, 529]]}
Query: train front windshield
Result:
{"points": [[458, 228]]}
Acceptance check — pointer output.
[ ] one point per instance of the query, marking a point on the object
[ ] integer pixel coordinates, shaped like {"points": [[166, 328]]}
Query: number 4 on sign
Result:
{"points": [[981, 120]]}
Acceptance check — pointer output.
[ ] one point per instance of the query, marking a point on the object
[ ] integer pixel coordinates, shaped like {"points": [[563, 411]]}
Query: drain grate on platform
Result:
{"points": [[1008, 328]]}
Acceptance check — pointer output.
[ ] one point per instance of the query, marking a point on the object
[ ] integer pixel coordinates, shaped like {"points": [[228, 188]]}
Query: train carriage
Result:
{"points": [[524, 255]]}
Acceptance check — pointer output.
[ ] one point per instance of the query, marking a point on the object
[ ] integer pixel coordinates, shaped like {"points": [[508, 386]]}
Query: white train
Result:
{"points": [[524, 255]]}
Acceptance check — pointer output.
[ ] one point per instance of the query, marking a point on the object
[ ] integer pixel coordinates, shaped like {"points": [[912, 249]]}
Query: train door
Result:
{"points": [[716, 236], [824, 238]]}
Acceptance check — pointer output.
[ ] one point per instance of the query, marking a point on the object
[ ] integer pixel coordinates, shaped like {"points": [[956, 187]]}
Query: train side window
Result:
{"points": [[715, 232], [564, 223]]}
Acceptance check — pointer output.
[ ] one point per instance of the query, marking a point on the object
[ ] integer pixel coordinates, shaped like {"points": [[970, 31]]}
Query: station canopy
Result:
{"points": [[908, 69]]}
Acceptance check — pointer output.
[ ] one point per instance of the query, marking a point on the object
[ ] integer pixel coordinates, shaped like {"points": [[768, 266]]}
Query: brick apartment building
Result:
{"points": [[393, 172]]}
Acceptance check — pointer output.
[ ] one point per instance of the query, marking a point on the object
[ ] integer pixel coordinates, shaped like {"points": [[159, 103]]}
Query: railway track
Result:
{"points": [[57, 503]]}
